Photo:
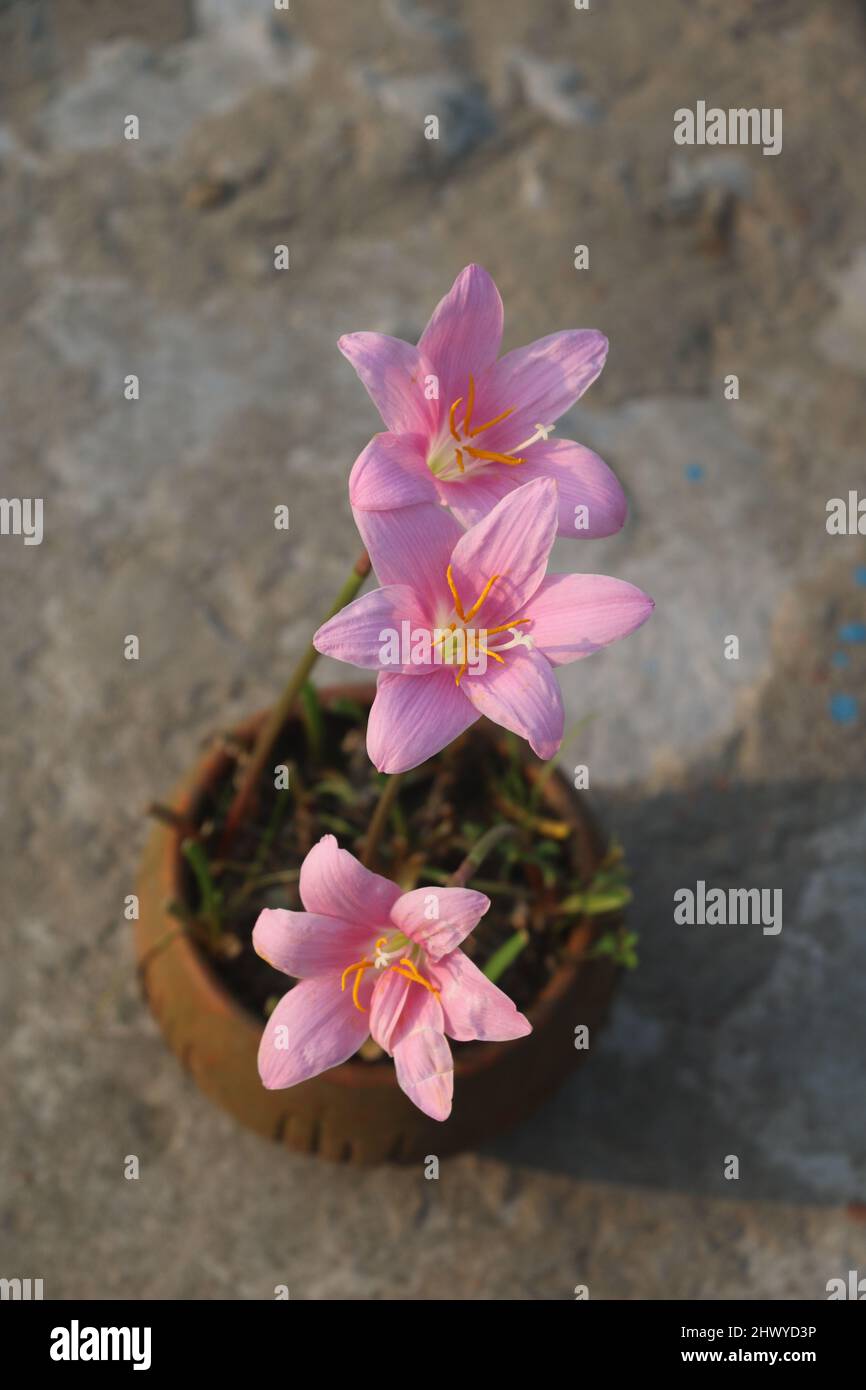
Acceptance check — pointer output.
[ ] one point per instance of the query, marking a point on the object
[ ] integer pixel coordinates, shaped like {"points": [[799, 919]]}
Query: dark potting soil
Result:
{"points": [[442, 809]]}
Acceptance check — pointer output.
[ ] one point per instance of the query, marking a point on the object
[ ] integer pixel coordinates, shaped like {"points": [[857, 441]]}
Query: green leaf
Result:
{"points": [[211, 897], [314, 723], [505, 956], [348, 709]]}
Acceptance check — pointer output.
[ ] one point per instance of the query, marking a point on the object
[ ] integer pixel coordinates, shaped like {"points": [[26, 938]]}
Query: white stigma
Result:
{"points": [[518, 639], [541, 432]]}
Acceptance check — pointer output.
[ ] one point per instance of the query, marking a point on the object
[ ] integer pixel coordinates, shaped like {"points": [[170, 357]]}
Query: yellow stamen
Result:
{"points": [[359, 966], [411, 973], [451, 415], [505, 627], [459, 673], [494, 458], [458, 606], [488, 652], [479, 429], [358, 978], [452, 627], [485, 591], [458, 454], [467, 418]]}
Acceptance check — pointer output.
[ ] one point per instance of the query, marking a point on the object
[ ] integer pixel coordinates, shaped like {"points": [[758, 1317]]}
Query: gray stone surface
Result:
{"points": [[261, 128]]}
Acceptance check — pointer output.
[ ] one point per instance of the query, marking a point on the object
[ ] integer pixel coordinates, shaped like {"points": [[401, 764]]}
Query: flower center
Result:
{"points": [[456, 456], [385, 951], [458, 640]]}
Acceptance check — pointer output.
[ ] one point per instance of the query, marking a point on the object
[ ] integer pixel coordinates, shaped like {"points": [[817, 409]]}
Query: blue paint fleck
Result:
{"points": [[694, 472], [852, 632], [843, 708], [840, 660], [860, 575]]}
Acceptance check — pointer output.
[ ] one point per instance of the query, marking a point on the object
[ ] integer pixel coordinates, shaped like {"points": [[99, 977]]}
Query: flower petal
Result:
{"points": [[473, 1007], [581, 477], [412, 719], [315, 1026], [583, 480], [334, 883], [541, 381], [439, 918], [513, 543], [360, 632], [394, 374], [389, 997], [391, 472], [464, 334], [574, 615], [308, 943], [521, 695], [412, 545], [422, 1057]]}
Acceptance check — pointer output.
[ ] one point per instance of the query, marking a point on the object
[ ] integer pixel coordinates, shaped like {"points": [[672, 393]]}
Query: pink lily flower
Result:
{"points": [[464, 429], [485, 586], [374, 960]]}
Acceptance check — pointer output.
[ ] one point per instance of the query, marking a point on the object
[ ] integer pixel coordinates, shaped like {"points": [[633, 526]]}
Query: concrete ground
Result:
{"points": [[155, 257]]}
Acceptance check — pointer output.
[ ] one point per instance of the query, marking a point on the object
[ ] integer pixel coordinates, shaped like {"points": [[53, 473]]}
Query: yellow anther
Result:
{"points": [[488, 652], [412, 973], [485, 591], [458, 606], [479, 429], [458, 674], [359, 966], [467, 418], [506, 627], [460, 434], [494, 458]]}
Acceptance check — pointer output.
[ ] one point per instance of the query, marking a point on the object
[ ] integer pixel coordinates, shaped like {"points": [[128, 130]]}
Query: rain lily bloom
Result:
{"points": [[484, 587], [464, 429], [374, 960]]}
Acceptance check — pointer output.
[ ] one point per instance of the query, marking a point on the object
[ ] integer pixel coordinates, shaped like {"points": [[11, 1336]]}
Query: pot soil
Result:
{"points": [[211, 1008]]}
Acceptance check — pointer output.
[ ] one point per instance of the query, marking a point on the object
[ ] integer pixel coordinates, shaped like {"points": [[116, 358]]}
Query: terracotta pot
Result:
{"points": [[356, 1112]]}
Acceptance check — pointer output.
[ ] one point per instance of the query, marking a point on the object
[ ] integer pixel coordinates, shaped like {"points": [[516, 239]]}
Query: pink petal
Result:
{"points": [[574, 615], [412, 719], [392, 472], [359, 632], [457, 912], [475, 1009], [389, 997], [422, 1057], [521, 695], [412, 545], [307, 943], [315, 1026], [464, 334], [513, 542], [541, 381], [334, 883], [395, 375], [581, 477]]}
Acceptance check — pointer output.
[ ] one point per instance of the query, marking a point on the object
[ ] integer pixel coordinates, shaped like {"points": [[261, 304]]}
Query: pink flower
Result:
{"points": [[371, 959], [484, 587], [486, 431]]}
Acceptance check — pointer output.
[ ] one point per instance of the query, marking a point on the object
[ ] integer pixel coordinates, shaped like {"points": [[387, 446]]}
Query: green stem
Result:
{"points": [[380, 818], [273, 725], [479, 852]]}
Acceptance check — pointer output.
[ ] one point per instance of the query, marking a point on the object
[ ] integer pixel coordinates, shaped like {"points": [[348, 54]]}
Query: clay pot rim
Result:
{"points": [[352, 1073]]}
